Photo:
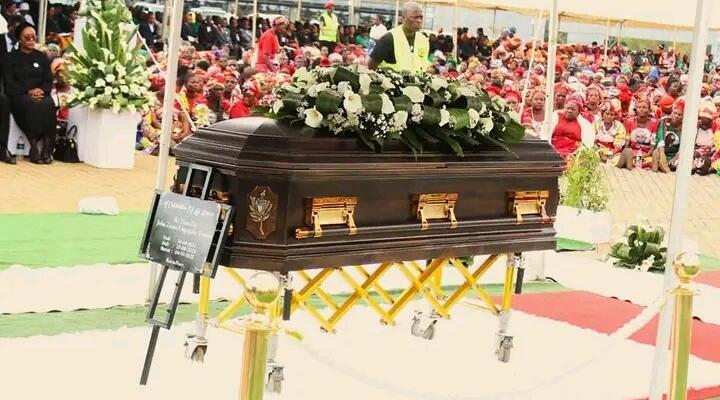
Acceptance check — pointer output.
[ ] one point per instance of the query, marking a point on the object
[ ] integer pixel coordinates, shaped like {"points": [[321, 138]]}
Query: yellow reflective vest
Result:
{"points": [[405, 60], [329, 28]]}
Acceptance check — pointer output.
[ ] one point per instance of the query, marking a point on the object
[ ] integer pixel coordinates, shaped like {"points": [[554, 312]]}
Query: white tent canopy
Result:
{"points": [[658, 14]]}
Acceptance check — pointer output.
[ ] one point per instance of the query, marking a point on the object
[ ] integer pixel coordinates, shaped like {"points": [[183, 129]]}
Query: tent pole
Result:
{"points": [[607, 40], [397, 13], [659, 379], [351, 12], [494, 35], [237, 8], [255, 23], [167, 17], [454, 32], [299, 10], [550, 79], [620, 33], [675, 39], [536, 33], [167, 115], [42, 21]]}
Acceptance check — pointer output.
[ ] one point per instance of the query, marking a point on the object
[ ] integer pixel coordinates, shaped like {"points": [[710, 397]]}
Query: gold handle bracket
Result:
{"points": [[523, 203], [321, 211], [437, 206]]}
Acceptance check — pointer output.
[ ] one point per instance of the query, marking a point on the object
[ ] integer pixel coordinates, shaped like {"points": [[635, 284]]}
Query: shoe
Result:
{"points": [[7, 157], [47, 160]]}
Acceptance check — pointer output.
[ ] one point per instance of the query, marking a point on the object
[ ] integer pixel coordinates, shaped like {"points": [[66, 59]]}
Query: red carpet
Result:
{"points": [[709, 278], [700, 394], [607, 315]]}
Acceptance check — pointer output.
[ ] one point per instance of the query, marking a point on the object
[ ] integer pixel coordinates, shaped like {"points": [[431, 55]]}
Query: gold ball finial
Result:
{"points": [[687, 266], [262, 290]]}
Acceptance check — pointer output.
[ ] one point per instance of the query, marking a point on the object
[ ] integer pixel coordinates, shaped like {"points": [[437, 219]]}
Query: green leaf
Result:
{"points": [[462, 119], [372, 103], [434, 99], [402, 103], [343, 74], [431, 116], [328, 102], [424, 135]]}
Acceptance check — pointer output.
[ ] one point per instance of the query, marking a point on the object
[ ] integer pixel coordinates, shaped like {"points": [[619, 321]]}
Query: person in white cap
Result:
{"points": [[24, 10]]}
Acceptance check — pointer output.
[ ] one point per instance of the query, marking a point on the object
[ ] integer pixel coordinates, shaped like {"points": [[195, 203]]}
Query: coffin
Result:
{"points": [[305, 200]]}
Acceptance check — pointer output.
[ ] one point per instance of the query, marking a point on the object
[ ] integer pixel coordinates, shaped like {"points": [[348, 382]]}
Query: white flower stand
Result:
{"points": [[583, 225], [106, 139]]}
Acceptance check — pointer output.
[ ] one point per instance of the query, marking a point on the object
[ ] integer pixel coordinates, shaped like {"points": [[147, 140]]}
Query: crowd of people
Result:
{"points": [[629, 104]]}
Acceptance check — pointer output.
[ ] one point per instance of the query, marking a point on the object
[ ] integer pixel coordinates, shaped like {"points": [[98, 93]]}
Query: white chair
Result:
{"points": [[14, 136]]}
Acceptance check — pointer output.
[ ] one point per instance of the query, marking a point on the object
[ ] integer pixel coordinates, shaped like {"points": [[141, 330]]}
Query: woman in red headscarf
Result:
{"points": [[512, 98], [592, 105], [534, 113], [268, 45], [243, 107]]}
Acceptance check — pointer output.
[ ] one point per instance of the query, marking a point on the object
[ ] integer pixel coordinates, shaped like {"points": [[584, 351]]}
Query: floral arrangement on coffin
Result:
{"points": [[420, 111], [643, 248], [106, 73]]}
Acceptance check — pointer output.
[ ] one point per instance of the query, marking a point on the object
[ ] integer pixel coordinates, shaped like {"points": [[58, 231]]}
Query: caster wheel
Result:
{"points": [[199, 354], [416, 330], [275, 379], [195, 348], [504, 349]]}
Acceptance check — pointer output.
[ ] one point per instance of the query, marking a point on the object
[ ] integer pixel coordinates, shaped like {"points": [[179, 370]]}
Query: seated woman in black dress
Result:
{"points": [[28, 82]]}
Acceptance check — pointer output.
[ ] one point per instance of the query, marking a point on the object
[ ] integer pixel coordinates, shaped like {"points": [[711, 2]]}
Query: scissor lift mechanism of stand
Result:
{"points": [[425, 281]]}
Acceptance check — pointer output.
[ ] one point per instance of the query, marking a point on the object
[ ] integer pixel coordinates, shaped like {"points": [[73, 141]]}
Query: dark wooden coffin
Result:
{"points": [[305, 200]]}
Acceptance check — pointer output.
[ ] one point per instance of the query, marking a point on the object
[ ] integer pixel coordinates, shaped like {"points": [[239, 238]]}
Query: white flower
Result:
{"points": [[514, 115], [466, 91], [474, 118], [387, 105], [487, 124], [352, 102], [100, 83], [438, 83], [313, 91], [110, 78], [400, 119], [290, 88], [414, 93], [365, 81], [343, 87], [116, 107], [277, 106], [444, 117], [387, 83], [124, 88], [108, 90], [313, 118], [303, 75]]}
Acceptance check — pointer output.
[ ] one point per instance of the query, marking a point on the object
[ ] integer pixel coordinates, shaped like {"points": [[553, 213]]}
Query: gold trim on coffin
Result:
{"points": [[425, 281]]}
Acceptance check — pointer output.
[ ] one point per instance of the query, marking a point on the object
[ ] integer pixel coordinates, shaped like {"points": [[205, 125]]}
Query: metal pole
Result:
{"points": [[351, 13], [536, 33], [607, 41], [237, 8], [682, 187], [42, 21], [397, 12], [454, 33], [255, 349], [620, 33], [299, 10], [167, 18], [254, 27], [550, 79], [167, 116], [687, 266], [494, 35], [675, 39]]}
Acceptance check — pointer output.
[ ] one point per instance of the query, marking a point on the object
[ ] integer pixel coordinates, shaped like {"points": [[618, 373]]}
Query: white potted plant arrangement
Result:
{"points": [[110, 79], [582, 214]]}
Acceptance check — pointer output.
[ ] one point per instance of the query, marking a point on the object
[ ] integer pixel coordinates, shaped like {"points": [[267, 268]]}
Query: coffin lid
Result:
{"points": [[243, 141]]}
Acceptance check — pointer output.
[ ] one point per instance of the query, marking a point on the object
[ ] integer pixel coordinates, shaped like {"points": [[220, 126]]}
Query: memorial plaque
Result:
{"points": [[181, 231]]}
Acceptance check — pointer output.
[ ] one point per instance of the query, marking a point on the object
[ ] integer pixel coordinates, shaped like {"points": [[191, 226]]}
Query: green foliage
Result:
{"points": [[584, 185], [643, 249], [107, 74]]}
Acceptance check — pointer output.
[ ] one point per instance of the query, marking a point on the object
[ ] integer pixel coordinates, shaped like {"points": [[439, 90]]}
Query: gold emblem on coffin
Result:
{"points": [[262, 212]]}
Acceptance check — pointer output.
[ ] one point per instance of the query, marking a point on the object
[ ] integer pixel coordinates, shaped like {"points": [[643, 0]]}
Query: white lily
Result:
{"points": [[365, 81], [343, 87], [290, 88], [414, 93], [303, 75], [438, 83], [487, 124], [277, 106], [474, 118], [313, 118], [400, 119], [444, 117], [387, 105], [466, 91], [314, 90], [352, 102], [386, 83]]}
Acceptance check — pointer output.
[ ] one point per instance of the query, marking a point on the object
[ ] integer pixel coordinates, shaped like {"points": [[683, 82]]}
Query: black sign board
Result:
{"points": [[185, 233]]}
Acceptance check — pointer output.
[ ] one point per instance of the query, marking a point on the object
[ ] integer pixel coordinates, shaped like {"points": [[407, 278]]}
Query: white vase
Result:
{"points": [[109, 139], [583, 225]]}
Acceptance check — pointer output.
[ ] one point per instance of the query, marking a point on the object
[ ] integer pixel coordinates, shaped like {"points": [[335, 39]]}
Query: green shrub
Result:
{"points": [[584, 185]]}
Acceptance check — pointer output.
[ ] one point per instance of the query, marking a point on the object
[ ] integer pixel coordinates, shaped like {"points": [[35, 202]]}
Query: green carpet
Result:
{"points": [[66, 239], [56, 323], [709, 264], [564, 244]]}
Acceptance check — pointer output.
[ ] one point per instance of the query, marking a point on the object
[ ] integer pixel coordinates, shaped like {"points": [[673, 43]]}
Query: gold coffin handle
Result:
{"points": [[438, 206], [523, 203], [321, 211]]}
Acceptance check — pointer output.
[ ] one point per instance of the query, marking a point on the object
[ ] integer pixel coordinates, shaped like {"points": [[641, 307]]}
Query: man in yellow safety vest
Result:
{"points": [[403, 48], [329, 27]]}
